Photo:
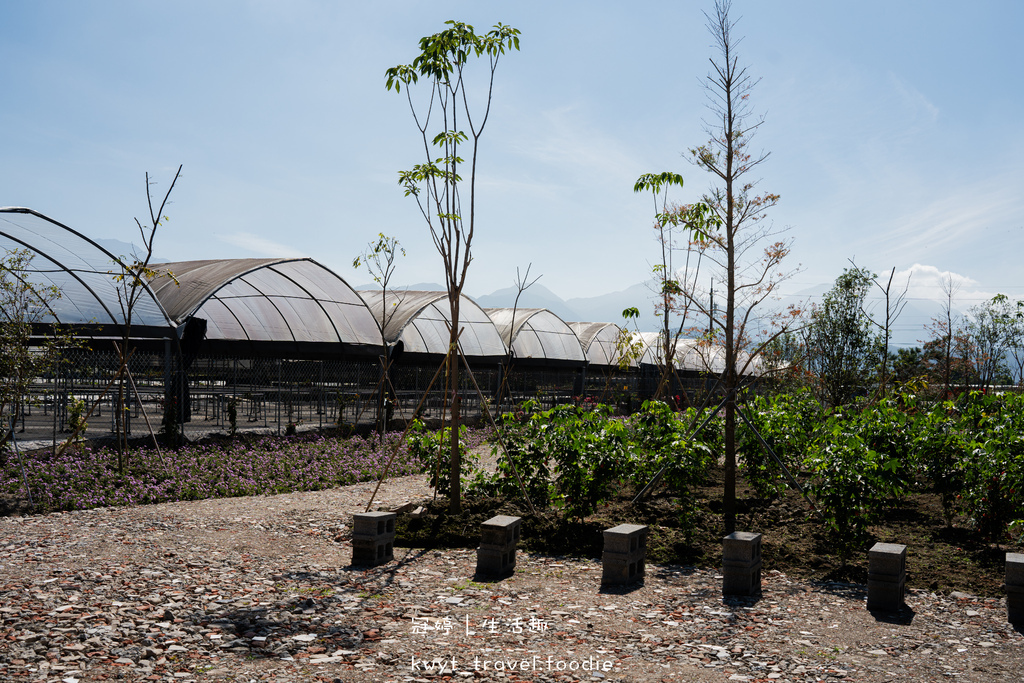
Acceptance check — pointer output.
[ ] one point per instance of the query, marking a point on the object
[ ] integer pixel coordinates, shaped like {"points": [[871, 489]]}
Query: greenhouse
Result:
{"points": [[83, 272], [599, 342], [421, 321], [547, 359], [538, 337], [416, 327], [293, 307], [282, 344]]}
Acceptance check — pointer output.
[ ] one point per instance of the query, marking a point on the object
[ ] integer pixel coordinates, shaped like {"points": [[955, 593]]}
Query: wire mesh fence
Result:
{"points": [[206, 394]]}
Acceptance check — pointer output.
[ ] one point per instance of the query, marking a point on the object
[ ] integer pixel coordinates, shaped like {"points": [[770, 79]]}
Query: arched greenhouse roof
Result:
{"points": [[539, 336], [599, 341], [695, 355], [653, 348], [271, 304], [82, 270], [420, 320]]}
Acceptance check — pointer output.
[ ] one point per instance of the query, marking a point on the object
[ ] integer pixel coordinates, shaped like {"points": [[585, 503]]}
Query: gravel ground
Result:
{"points": [[261, 589]]}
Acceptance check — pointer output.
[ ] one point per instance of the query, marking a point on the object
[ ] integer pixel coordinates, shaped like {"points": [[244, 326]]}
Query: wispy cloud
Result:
{"points": [[570, 141], [915, 104], [260, 245], [958, 218]]}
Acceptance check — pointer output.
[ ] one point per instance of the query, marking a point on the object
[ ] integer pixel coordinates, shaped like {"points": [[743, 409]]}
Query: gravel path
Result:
{"points": [[260, 589]]}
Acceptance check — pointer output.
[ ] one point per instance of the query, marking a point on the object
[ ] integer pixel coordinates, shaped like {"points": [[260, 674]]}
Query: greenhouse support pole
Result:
{"points": [[56, 387], [168, 375]]}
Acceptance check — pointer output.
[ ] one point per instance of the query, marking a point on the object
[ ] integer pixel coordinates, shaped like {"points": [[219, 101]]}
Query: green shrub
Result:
{"points": [[433, 450], [787, 423]]}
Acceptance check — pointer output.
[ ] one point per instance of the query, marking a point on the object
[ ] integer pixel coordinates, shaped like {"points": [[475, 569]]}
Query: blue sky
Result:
{"points": [[893, 130]]}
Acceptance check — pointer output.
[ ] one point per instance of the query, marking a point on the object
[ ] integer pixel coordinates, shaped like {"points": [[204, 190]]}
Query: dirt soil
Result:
{"points": [[939, 559]]}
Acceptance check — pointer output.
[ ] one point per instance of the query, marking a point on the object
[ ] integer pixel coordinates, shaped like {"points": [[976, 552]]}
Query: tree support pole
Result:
{"points": [[497, 433], [657, 477], [406, 432]]}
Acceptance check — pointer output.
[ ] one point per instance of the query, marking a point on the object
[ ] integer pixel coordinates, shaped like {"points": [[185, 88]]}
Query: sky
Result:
{"points": [[893, 132]]}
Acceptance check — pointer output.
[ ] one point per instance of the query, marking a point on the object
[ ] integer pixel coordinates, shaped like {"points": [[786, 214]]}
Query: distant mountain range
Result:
{"points": [[908, 330]]}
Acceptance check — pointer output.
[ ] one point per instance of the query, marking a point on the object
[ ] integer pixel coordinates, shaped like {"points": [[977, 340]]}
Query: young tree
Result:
{"points": [[994, 327], [672, 303], [894, 305], [23, 358], [783, 362], [379, 258], [437, 183], [841, 350], [133, 281], [750, 270]]}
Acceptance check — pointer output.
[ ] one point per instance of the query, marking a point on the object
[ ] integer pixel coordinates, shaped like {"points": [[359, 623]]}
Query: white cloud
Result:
{"points": [[929, 283]]}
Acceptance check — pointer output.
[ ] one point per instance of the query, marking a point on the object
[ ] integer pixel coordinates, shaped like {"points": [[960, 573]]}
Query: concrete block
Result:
{"points": [[501, 530], [741, 580], [373, 538], [887, 576], [626, 538], [625, 554], [495, 562], [373, 524], [885, 596], [741, 548], [622, 568], [887, 559], [1015, 588], [1015, 569], [370, 552], [496, 555]]}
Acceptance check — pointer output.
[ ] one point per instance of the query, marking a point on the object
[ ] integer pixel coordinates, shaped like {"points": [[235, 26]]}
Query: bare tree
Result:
{"points": [[522, 283], [943, 329], [749, 269], [894, 305], [133, 281]]}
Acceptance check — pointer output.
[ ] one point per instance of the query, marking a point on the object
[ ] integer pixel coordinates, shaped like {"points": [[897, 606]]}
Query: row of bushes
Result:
{"points": [[574, 457], [860, 463], [855, 464]]}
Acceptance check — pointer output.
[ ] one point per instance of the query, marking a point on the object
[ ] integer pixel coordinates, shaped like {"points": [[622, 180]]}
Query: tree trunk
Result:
{"points": [[455, 461], [729, 493]]}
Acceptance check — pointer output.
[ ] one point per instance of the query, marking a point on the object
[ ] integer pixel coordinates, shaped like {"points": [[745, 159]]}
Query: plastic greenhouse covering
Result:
{"points": [[538, 334], [82, 270], [652, 345], [694, 355], [272, 300], [599, 342], [420, 320]]}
